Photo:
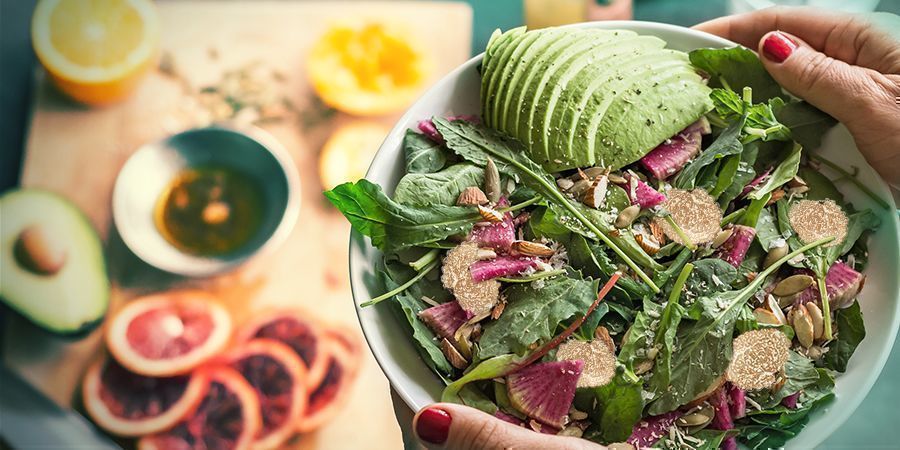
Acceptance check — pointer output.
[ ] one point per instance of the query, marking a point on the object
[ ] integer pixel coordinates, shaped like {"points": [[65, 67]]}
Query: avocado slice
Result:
{"points": [[508, 100], [648, 114], [554, 63], [505, 67], [52, 264], [620, 61], [499, 63], [495, 48]]}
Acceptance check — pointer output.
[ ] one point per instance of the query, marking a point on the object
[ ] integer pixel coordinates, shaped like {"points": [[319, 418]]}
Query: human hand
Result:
{"points": [[840, 63]]}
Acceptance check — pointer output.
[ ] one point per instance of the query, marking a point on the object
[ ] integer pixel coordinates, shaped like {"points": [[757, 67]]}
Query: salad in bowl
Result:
{"points": [[628, 243]]}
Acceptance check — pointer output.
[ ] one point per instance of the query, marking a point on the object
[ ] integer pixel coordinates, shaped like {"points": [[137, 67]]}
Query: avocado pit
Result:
{"points": [[36, 252]]}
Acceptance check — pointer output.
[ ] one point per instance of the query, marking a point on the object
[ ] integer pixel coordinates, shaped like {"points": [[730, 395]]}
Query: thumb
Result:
{"points": [[457, 427], [842, 90]]}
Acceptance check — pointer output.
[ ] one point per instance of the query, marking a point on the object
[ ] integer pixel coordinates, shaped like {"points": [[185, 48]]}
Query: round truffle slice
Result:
{"points": [[813, 220], [758, 359], [599, 361], [476, 298], [695, 212]]}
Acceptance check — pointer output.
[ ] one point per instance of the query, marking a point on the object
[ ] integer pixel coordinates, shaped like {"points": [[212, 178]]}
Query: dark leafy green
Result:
{"points": [[783, 173], [807, 123], [619, 406], [437, 188], [533, 314], [393, 226], [728, 143], [851, 330], [485, 370], [736, 68], [760, 123], [422, 154]]}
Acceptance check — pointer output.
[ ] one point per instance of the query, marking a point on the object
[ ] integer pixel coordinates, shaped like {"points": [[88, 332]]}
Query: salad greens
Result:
{"points": [[497, 293]]}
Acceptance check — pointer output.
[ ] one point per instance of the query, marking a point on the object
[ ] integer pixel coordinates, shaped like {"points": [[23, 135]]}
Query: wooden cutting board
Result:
{"points": [[78, 151]]}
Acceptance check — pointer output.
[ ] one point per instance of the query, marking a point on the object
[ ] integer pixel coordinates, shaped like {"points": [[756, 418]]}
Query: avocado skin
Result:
{"points": [[561, 116], [72, 302], [71, 334]]}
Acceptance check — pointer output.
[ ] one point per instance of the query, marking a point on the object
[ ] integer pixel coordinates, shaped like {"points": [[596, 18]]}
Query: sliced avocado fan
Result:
{"points": [[586, 97], [52, 268]]}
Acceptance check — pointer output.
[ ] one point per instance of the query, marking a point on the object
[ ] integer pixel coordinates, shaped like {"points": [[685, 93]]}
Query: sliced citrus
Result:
{"points": [[327, 399], [227, 418], [127, 404], [168, 334], [96, 51], [368, 68], [279, 378], [349, 151], [297, 330]]}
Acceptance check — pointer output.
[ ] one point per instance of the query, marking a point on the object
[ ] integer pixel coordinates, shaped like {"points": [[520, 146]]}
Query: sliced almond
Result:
{"points": [[595, 196], [647, 243], [602, 334], [766, 317], [471, 196], [792, 285], [453, 355], [777, 194], [485, 254], [532, 249], [796, 181], [498, 309], [490, 214]]}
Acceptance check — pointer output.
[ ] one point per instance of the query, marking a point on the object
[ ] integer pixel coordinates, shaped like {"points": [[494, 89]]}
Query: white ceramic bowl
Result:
{"points": [[458, 93]]}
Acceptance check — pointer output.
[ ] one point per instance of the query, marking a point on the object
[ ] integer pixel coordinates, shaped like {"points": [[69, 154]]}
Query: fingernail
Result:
{"points": [[778, 47], [433, 426]]}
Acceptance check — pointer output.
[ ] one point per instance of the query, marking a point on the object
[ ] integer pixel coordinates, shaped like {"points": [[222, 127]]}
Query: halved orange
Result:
{"points": [[368, 68], [349, 151], [96, 51]]}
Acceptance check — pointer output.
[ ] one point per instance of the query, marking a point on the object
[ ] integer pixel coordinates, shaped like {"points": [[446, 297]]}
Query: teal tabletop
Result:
{"points": [[870, 425]]}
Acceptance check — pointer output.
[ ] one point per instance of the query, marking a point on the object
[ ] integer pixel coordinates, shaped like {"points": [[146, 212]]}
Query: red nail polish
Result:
{"points": [[778, 47], [433, 425]]}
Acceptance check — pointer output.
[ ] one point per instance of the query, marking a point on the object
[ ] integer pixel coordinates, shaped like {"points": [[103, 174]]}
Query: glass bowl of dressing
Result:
{"points": [[203, 201]]}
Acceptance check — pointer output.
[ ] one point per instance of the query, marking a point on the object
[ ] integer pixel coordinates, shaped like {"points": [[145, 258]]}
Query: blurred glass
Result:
{"points": [[856, 6], [549, 13]]}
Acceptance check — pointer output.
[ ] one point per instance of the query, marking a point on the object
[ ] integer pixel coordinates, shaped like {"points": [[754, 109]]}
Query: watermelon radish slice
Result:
{"points": [[756, 182], [734, 249], [498, 236], [722, 419], [640, 193], [444, 319], [670, 156], [649, 430], [790, 402], [501, 266], [737, 399], [545, 391], [843, 285], [127, 404], [278, 376], [296, 329], [228, 417], [168, 334]]}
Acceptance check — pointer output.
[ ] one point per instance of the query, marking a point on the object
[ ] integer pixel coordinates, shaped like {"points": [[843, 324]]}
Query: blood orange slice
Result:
{"points": [[326, 399], [279, 378], [294, 328], [227, 418], [128, 404], [168, 334]]}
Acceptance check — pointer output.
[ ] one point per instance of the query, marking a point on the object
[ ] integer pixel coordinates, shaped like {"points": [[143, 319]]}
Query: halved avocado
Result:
{"points": [[556, 58], [52, 264], [489, 83], [502, 77], [507, 104], [620, 61], [495, 47]]}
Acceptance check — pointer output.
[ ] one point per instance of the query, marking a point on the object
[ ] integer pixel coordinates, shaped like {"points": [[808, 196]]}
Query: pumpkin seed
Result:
{"points": [[580, 187], [617, 179], [577, 415], [792, 285], [693, 420], [774, 254], [571, 431], [818, 320], [565, 183], [722, 237], [492, 181], [803, 326], [594, 172], [775, 308], [626, 216]]}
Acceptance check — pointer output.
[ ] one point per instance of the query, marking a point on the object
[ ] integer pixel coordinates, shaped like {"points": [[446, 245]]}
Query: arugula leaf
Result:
{"points": [[807, 123], [438, 188], [619, 406], [782, 174], [728, 143], [704, 346], [393, 226], [761, 121], [422, 154], [477, 144], [851, 330], [736, 68], [485, 370], [532, 315]]}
